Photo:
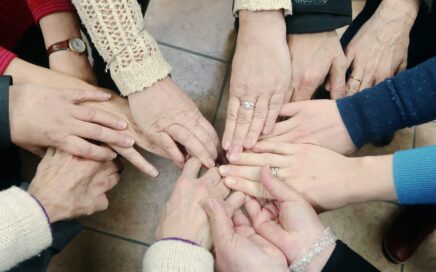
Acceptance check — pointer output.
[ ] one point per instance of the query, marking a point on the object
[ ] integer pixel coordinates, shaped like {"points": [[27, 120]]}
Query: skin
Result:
{"points": [[83, 187], [261, 74], [326, 179]]}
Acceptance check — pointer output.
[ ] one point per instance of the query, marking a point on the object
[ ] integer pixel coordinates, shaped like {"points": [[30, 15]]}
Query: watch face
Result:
{"points": [[77, 45]]}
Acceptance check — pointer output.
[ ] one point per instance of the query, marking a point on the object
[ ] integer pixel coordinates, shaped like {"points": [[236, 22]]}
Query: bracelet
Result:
{"points": [[327, 238]]}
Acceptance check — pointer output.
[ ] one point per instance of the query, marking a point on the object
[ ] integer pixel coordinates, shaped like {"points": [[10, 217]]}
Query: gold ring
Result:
{"points": [[355, 78]]}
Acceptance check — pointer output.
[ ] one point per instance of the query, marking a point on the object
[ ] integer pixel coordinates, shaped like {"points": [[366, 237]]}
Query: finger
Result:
{"points": [[240, 219], [210, 131], [204, 139], [212, 176], [232, 115], [290, 109], [257, 159], [283, 149], [137, 160], [192, 144], [337, 86], [99, 117], [275, 103], [165, 142], [191, 169], [79, 96], [221, 224], [111, 167], [282, 128], [234, 202], [247, 172], [279, 190], [102, 134], [248, 187], [84, 149], [355, 79], [258, 122], [101, 203]]}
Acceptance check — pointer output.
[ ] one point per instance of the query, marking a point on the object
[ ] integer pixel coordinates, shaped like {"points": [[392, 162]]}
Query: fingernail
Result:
{"points": [[122, 124], [234, 157], [114, 155], [249, 143], [105, 95], [226, 144], [229, 181], [210, 163], [224, 170], [129, 142], [208, 204], [154, 173]]}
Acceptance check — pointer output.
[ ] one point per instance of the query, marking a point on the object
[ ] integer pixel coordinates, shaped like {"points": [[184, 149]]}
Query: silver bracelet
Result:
{"points": [[327, 238]]}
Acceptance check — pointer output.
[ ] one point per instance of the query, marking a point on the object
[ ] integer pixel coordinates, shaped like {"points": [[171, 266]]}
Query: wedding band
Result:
{"points": [[248, 105], [275, 171], [355, 78]]}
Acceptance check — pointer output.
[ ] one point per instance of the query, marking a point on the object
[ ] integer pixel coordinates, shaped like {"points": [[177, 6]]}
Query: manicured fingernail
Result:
{"points": [[224, 170], [229, 181], [129, 142], [122, 124], [226, 144]]}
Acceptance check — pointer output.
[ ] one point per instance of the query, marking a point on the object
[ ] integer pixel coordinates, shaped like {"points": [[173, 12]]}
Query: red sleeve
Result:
{"points": [[41, 8], [5, 58]]}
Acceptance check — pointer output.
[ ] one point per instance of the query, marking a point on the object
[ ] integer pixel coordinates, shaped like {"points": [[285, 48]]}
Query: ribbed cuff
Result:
{"points": [[170, 255], [415, 175], [5, 59], [41, 9], [258, 5]]}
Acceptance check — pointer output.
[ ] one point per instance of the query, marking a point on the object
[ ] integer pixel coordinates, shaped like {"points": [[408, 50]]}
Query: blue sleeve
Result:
{"points": [[415, 175], [5, 135], [405, 100]]}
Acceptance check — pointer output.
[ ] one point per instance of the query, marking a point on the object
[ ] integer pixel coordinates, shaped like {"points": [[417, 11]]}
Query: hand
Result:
{"points": [[315, 122], [42, 116], [379, 49], [326, 179], [237, 246], [69, 187], [183, 216], [166, 115], [261, 74], [314, 57], [289, 222]]}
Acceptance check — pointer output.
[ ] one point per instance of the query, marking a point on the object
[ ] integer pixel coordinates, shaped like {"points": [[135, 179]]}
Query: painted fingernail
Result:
{"points": [[122, 124], [224, 170], [129, 142], [229, 181]]}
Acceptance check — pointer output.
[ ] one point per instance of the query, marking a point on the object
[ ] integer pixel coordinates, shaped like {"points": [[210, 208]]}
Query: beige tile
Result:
{"points": [[426, 134], [424, 259], [202, 26], [96, 252], [361, 227]]}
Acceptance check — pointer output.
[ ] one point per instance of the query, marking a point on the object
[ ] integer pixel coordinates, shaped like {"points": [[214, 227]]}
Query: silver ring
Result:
{"points": [[248, 105], [275, 171]]}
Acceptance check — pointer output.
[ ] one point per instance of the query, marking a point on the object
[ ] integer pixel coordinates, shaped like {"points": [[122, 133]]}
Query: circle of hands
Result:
{"points": [[268, 221]]}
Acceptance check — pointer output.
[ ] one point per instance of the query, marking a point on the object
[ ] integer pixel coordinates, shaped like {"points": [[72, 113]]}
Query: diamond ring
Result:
{"points": [[248, 105]]}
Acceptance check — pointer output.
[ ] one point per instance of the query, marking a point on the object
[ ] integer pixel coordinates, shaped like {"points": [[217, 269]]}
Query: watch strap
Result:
{"points": [[59, 46]]}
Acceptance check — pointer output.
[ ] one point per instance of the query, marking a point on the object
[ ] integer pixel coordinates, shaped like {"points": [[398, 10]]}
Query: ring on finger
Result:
{"points": [[356, 78], [248, 105]]}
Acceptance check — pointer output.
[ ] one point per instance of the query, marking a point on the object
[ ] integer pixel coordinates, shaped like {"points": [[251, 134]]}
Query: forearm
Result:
{"points": [[285, 6]]}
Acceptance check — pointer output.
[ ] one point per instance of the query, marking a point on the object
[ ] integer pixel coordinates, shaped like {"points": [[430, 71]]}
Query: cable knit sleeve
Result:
{"points": [[24, 229], [256, 5], [117, 30], [171, 255]]}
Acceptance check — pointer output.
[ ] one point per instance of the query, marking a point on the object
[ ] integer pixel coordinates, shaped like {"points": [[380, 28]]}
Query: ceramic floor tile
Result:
{"points": [[426, 134], [361, 227], [95, 252], [424, 259], [202, 26]]}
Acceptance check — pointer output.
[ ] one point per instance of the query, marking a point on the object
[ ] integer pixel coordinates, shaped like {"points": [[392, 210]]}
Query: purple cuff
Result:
{"points": [[180, 240], [43, 209]]}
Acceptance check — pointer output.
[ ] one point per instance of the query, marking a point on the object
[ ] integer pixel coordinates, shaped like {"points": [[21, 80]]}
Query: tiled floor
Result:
{"points": [[197, 38]]}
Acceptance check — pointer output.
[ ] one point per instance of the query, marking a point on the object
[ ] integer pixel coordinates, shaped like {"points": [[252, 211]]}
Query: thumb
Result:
{"points": [[221, 224], [279, 190]]}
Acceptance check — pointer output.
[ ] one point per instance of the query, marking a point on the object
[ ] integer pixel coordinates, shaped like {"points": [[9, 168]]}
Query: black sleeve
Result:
{"points": [[346, 260], [5, 134], [313, 16]]}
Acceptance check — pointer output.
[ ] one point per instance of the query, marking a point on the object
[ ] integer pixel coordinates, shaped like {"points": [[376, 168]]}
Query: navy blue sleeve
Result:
{"points": [[5, 135], [405, 100]]}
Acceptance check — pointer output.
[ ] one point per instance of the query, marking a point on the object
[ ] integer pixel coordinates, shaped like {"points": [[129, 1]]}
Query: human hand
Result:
{"points": [[314, 57], [166, 115], [261, 74], [69, 187], [379, 49], [326, 179], [237, 246], [183, 216], [289, 223], [41, 116], [315, 122]]}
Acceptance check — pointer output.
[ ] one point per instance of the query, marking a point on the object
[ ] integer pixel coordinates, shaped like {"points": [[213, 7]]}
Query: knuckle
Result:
{"points": [[91, 114], [97, 132], [231, 115], [260, 115]]}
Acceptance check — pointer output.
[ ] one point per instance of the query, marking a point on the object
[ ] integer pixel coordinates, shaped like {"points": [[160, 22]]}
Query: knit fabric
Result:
{"points": [[117, 30], [257, 5], [24, 229], [177, 256], [415, 175]]}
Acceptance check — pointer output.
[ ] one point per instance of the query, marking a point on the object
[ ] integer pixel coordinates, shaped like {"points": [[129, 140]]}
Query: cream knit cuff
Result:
{"points": [[257, 5], [177, 256], [24, 229]]}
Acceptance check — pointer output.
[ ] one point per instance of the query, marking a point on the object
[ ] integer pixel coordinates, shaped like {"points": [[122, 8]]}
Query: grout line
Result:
{"points": [[191, 52], [116, 236]]}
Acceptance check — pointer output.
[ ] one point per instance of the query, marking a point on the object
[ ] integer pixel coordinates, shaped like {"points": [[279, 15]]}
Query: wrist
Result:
{"points": [[403, 9], [59, 26], [269, 20], [321, 260]]}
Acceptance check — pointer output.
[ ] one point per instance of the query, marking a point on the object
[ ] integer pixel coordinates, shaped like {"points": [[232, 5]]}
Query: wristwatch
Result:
{"points": [[75, 45]]}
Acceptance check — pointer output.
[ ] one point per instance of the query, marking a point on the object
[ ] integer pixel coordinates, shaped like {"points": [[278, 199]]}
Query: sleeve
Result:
{"points": [[345, 259], [405, 100], [257, 5], [173, 255], [24, 229], [41, 8], [318, 16], [415, 176], [117, 30], [5, 133], [5, 58]]}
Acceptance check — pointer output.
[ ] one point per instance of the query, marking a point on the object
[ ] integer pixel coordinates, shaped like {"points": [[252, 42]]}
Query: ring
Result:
{"points": [[248, 105], [355, 78], [275, 171]]}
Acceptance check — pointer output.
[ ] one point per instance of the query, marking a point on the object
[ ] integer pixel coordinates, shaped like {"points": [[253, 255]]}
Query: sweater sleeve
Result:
{"points": [[318, 16], [41, 8], [415, 175], [405, 100], [172, 255], [257, 5], [24, 229], [5, 58], [117, 30]]}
